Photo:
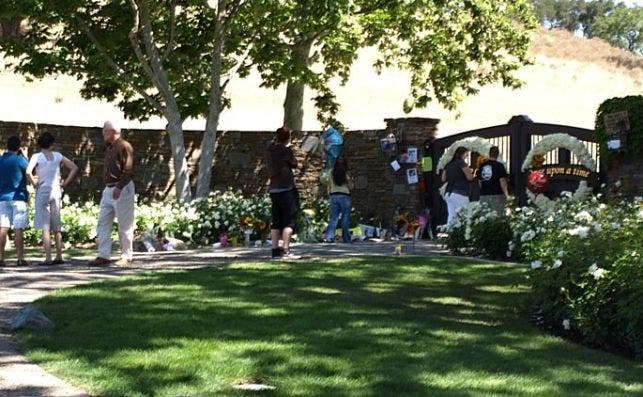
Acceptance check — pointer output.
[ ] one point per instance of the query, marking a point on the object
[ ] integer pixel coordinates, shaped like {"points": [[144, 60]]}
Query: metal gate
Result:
{"points": [[514, 140]]}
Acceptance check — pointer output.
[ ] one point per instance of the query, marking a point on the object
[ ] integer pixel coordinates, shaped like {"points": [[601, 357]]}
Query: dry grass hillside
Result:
{"points": [[570, 77]]}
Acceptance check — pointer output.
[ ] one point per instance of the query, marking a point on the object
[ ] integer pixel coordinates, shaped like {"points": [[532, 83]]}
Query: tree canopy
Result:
{"points": [[174, 58], [450, 47], [618, 24]]}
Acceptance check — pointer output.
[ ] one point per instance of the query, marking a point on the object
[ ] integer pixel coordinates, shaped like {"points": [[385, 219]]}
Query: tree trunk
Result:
{"points": [[294, 102], [294, 106], [208, 143], [181, 175]]}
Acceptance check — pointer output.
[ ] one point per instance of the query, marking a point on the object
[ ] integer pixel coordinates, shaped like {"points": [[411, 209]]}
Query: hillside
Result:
{"points": [[570, 77]]}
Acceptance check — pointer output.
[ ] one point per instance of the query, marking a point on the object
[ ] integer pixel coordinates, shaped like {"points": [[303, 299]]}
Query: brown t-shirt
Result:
{"points": [[280, 161], [119, 163]]}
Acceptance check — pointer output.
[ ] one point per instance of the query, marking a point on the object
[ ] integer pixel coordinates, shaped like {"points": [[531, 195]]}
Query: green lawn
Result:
{"points": [[353, 327]]}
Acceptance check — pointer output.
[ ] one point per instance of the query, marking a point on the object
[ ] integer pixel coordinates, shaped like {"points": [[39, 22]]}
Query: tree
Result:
{"points": [[591, 11], [449, 46], [559, 14], [622, 28], [171, 58]]}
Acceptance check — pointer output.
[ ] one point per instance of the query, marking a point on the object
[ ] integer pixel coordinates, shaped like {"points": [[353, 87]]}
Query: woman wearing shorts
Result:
{"points": [[49, 188]]}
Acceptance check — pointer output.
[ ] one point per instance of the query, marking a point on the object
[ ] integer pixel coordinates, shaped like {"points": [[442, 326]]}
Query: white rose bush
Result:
{"points": [[199, 223], [584, 263]]}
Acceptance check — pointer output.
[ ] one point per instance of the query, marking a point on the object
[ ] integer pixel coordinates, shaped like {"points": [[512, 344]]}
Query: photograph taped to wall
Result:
{"points": [[412, 155], [388, 145], [412, 176], [311, 144]]}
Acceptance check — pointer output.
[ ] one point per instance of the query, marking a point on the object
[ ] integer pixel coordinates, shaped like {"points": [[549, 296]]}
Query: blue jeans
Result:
{"points": [[339, 204]]}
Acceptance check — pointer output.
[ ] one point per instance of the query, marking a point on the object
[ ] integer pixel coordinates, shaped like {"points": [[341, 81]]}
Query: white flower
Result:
{"points": [[580, 231], [615, 225], [528, 235], [566, 325], [560, 254], [536, 264], [508, 254], [596, 271], [584, 216], [557, 264], [217, 224], [216, 216], [598, 227]]}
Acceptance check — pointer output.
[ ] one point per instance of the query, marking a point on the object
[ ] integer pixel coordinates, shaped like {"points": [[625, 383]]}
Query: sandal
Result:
{"points": [[58, 262]]}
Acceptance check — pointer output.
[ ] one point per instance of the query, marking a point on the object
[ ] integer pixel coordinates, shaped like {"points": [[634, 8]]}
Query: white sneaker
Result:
{"points": [[290, 256]]}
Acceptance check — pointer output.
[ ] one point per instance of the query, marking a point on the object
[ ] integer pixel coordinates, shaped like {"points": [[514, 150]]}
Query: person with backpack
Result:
{"points": [[339, 188]]}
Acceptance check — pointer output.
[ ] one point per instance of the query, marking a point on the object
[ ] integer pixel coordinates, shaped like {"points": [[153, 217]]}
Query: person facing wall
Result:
{"points": [[339, 194], [457, 176]]}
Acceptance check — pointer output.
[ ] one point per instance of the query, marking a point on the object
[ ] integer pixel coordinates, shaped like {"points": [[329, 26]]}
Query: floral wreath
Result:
{"points": [[473, 144], [560, 140], [549, 143]]}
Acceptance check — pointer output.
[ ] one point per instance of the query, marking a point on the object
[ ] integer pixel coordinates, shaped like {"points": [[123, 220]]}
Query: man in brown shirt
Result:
{"points": [[117, 199]]}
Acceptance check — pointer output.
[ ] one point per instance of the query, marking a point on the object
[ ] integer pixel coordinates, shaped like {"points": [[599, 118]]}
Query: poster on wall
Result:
{"points": [[412, 176], [395, 165], [412, 155]]}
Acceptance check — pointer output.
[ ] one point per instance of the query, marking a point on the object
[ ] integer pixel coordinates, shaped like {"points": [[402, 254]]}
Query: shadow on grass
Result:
{"points": [[351, 327]]}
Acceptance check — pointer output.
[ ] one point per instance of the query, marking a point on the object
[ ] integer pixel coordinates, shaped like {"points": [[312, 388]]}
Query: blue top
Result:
{"points": [[13, 178]]}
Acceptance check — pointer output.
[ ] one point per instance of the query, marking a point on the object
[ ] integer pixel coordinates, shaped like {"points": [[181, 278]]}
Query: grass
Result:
{"points": [[351, 327]]}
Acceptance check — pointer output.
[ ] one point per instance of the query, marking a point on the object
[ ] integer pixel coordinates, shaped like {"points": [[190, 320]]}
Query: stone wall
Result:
{"points": [[239, 162], [628, 171]]}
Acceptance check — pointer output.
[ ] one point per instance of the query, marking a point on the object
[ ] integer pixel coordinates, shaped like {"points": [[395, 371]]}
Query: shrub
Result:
{"points": [[585, 258], [587, 272], [479, 231]]}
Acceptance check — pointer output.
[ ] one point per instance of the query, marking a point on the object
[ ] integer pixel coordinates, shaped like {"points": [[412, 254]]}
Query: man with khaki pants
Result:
{"points": [[117, 199]]}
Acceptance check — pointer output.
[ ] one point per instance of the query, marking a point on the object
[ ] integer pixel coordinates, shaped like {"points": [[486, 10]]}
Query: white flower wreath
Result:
{"points": [[555, 141], [560, 140], [474, 144]]}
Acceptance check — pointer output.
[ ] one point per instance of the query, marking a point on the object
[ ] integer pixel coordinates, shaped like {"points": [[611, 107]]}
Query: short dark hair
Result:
{"points": [[494, 152], [283, 134], [13, 143], [46, 140]]}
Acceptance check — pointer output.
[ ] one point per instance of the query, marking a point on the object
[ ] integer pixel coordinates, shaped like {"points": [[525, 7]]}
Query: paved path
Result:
{"points": [[20, 286]]}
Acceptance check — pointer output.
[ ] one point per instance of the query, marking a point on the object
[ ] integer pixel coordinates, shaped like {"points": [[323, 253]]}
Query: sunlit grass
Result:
{"points": [[353, 327]]}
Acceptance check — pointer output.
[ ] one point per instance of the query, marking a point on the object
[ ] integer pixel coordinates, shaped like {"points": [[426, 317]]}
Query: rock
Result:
{"points": [[29, 317]]}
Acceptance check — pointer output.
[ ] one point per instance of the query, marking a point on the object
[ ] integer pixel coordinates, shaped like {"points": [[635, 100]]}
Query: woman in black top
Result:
{"points": [[457, 175]]}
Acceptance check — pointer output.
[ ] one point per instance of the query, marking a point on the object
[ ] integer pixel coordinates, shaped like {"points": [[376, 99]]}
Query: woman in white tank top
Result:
{"points": [[49, 193]]}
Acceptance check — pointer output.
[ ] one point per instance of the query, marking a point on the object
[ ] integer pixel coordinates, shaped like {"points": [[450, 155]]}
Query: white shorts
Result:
{"points": [[47, 210], [14, 214]]}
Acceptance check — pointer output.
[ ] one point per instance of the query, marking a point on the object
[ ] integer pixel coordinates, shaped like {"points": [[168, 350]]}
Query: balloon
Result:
{"points": [[537, 182]]}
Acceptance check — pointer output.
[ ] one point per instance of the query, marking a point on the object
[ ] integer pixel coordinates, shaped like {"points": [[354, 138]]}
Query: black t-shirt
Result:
{"points": [[489, 175], [456, 179]]}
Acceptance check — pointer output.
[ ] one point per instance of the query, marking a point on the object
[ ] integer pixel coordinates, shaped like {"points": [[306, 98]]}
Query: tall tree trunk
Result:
{"points": [[181, 175], [209, 140], [294, 102], [294, 106]]}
